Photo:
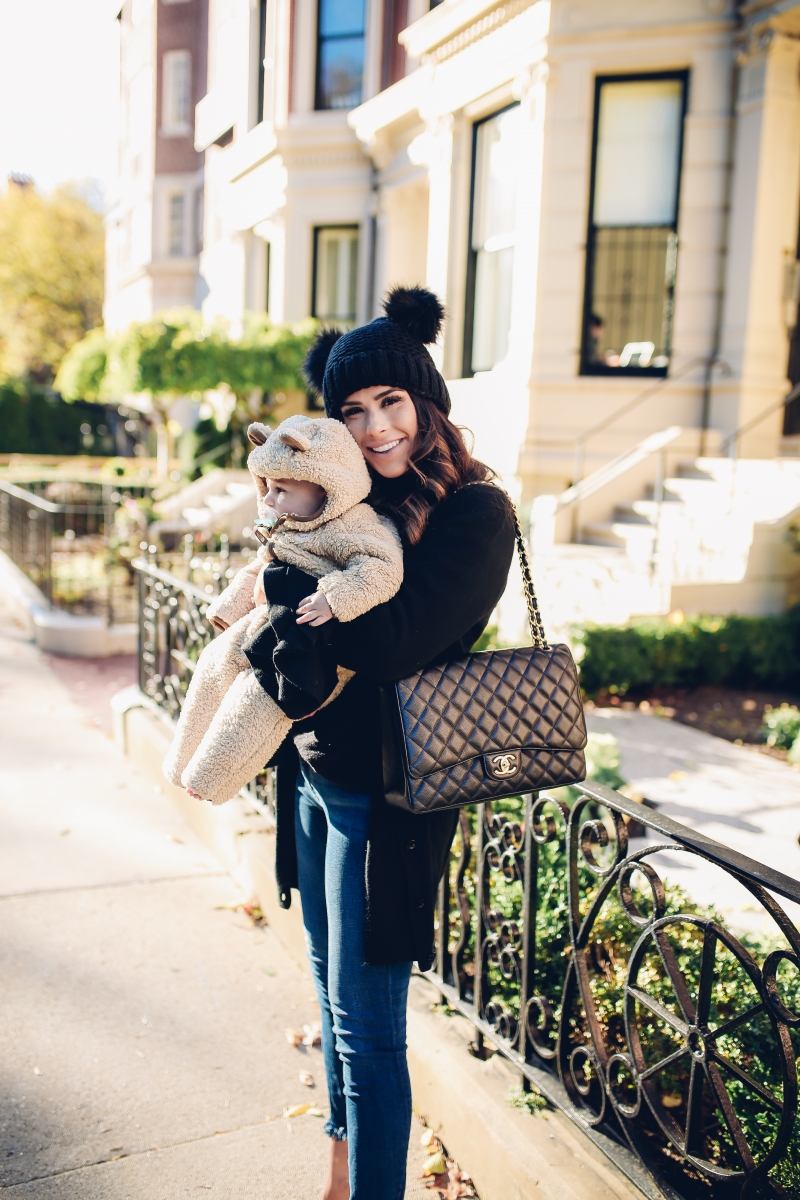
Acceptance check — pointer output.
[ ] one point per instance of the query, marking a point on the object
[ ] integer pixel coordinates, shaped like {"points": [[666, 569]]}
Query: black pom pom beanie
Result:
{"points": [[389, 350]]}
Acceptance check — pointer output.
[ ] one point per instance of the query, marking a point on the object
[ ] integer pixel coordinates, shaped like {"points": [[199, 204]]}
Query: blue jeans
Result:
{"points": [[362, 1007]]}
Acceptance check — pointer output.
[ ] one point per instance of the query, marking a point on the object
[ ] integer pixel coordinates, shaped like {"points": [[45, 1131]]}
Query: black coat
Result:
{"points": [[453, 578]]}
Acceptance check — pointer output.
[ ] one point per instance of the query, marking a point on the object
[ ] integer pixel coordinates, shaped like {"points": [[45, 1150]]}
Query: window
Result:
{"points": [[490, 265], [393, 57], [335, 273], [262, 49], [632, 247], [340, 53], [177, 92], [175, 240]]}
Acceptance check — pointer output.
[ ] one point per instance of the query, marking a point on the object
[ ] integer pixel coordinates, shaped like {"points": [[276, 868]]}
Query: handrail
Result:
{"points": [[580, 443], [183, 585], [649, 445], [47, 505], [733, 438]]}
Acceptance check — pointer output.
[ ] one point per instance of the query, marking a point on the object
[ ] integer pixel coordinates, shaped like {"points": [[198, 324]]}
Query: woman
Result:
{"points": [[368, 874]]}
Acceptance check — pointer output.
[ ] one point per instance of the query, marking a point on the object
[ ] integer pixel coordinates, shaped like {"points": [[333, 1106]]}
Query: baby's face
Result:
{"points": [[298, 497]]}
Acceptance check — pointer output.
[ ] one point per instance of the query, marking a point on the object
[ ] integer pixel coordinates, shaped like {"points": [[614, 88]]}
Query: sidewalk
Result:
{"points": [[747, 801], [142, 1052]]}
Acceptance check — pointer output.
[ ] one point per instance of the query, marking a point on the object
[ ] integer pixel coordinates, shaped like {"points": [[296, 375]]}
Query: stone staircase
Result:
{"points": [[696, 534]]}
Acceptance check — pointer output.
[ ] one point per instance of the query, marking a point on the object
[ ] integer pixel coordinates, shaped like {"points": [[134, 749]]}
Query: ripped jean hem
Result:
{"points": [[337, 1132]]}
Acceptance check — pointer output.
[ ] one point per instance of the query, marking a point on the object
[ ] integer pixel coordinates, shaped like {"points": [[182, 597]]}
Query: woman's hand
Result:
{"points": [[314, 610]]}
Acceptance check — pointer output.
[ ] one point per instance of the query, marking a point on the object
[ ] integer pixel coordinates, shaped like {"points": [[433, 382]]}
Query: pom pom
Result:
{"points": [[317, 357], [416, 310]]}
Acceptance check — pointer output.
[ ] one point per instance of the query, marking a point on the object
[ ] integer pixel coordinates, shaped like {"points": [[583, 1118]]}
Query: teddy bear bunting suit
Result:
{"points": [[233, 717]]}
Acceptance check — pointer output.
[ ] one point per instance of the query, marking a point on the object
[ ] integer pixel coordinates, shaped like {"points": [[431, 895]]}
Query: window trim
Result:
{"points": [[585, 367], [472, 254], [351, 226]]}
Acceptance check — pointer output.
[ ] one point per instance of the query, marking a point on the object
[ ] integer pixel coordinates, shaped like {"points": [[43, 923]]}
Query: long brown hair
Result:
{"points": [[440, 464]]}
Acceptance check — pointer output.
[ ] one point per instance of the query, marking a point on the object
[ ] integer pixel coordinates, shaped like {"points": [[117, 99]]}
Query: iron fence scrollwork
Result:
{"points": [[671, 1040]]}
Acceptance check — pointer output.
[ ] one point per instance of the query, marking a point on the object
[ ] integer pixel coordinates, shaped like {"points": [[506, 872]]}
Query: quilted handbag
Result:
{"points": [[487, 725]]}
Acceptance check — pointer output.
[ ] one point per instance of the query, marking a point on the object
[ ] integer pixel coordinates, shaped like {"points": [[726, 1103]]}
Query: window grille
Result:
{"points": [[175, 232], [490, 264], [632, 244], [335, 273], [177, 91], [340, 53]]}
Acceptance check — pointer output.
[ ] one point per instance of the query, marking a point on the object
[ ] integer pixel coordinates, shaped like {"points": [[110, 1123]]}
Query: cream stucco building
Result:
{"points": [[607, 197]]}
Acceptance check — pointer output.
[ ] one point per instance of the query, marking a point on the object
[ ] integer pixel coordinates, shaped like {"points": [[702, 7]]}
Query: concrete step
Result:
{"points": [[634, 538]]}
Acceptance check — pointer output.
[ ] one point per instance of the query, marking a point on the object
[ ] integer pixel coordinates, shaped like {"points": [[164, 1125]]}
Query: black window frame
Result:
{"points": [[586, 365], [262, 49], [472, 254], [335, 37], [317, 229]]}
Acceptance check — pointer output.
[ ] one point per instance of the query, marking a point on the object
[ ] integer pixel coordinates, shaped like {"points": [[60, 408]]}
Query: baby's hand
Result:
{"points": [[314, 610]]}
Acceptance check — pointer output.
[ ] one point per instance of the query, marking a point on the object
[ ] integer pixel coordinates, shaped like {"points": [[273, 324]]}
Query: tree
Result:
{"points": [[176, 354], [51, 278]]}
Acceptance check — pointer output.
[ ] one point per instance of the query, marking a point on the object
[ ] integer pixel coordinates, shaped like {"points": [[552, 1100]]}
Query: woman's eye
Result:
{"points": [[387, 400]]}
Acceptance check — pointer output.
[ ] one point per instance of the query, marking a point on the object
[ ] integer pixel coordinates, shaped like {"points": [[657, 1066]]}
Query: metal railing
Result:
{"points": [[668, 1039], [733, 439], [64, 548], [174, 630], [630, 405]]}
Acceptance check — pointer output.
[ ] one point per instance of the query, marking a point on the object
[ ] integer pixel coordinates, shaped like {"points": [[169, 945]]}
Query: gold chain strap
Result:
{"points": [[538, 636]]}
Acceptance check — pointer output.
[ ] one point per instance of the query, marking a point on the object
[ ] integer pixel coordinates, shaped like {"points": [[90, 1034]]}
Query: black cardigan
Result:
{"points": [[453, 578]]}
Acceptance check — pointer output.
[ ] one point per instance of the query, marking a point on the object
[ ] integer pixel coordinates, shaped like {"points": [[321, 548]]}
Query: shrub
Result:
{"points": [[781, 726], [738, 651], [33, 421]]}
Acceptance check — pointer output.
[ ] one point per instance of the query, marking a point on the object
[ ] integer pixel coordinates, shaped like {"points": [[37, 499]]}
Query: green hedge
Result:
{"points": [[738, 651], [33, 421]]}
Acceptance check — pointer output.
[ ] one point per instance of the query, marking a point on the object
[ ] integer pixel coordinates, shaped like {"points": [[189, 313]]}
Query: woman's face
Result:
{"points": [[383, 420]]}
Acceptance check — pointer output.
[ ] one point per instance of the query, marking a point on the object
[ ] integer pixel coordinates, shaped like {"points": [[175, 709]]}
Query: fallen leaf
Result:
{"points": [[313, 1034], [306, 1078], [293, 1036], [677, 776], [427, 1137], [297, 1110], [435, 1165], [314, 1112], [36, 1071], [670, 1100]]}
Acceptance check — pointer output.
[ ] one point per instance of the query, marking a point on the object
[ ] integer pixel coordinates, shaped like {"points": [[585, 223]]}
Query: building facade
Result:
{"points": [[155, 226]]}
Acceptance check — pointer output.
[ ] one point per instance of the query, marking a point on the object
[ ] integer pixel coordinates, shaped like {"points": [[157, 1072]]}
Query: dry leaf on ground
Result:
{"points": [[297, 1110], [306, 1078], [293, 1036], [312, 1034]]}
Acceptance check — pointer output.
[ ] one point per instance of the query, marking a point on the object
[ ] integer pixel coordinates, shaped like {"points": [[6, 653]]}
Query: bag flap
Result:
{"points": [[496, 700]]}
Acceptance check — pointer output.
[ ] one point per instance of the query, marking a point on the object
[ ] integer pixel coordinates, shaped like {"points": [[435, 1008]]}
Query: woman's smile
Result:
{"points": [[383, 420]]}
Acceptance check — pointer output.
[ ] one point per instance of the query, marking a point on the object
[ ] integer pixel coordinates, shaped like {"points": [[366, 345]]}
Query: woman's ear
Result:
{"points": [[257, 433], [295, 439]]}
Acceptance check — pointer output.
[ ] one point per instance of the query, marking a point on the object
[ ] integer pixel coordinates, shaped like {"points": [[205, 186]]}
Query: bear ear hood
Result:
{"points": [[319, 450], [258, 433]]}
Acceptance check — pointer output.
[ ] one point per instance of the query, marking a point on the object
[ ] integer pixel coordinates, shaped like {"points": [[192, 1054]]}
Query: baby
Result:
{"points": [[326, 554]]}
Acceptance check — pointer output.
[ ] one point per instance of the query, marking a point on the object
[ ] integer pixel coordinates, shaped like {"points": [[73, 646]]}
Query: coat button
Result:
{"points": [[412, 845]]}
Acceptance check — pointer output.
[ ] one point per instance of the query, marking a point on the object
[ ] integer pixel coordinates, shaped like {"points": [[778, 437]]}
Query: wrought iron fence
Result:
{"points": [[173, 631], [65, 548], [669, 1039]]}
